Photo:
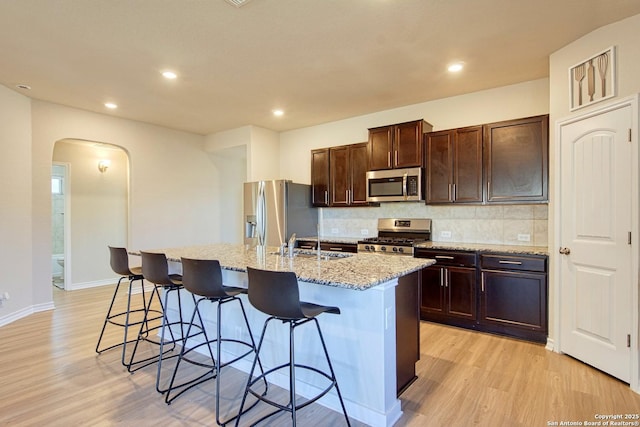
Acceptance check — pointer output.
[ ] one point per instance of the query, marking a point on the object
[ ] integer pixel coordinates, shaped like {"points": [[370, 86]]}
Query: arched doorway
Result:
{"points": [[95, 194]]}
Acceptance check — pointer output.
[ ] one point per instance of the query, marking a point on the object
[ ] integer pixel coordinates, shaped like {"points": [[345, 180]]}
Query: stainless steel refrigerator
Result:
{"points": [[274, 210]]}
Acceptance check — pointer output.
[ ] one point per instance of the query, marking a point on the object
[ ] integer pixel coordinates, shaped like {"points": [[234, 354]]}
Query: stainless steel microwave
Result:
{"points": [[395, 185]]}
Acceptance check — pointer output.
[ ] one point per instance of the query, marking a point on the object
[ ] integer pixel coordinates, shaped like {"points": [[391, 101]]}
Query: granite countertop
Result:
{"points": [[486, 248], [358, 271]]}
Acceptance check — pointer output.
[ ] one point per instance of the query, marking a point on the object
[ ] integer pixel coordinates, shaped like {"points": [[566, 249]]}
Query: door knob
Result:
{"points": [[565, 251]]}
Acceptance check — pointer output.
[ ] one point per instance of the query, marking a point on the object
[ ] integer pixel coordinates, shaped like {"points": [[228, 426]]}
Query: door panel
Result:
{"points": [[596, 278]]}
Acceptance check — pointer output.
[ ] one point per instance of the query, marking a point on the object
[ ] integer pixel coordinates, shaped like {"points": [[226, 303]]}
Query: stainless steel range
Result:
{"points": [[397, 236]]}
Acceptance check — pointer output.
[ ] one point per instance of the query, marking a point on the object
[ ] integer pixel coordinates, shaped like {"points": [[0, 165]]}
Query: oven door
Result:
{"points": [[395, 185]]}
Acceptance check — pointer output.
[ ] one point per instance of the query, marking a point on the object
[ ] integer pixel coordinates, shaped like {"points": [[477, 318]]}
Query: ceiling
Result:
{"points": [[318, 60]]}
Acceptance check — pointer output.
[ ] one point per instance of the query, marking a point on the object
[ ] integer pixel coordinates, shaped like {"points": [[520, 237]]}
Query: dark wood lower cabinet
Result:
{"points": [[514, 301], [504, 294], [407, 330]]}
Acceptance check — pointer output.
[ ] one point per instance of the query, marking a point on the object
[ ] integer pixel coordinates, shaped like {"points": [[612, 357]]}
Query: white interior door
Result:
{"points": [[595, 222]]}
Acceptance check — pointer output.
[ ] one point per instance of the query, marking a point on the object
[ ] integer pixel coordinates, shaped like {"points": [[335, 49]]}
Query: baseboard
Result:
{"points": [[92, 284], [12, 317], [551, 345]]}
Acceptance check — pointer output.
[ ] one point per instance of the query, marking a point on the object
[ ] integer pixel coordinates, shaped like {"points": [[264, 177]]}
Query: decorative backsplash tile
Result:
{"points": [[523, 225]]}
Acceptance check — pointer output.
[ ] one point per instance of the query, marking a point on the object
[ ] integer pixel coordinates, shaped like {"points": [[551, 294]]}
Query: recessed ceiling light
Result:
{"points": [[22, 86], [111, 105], [278, 113], [169, 75], [454, 68]]}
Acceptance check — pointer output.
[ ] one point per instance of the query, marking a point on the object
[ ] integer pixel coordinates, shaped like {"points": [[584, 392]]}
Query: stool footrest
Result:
{"points": [[288, 407]]}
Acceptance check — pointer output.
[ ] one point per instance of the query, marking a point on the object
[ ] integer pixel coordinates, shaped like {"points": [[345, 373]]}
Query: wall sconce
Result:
{"points": [[103, 165]]}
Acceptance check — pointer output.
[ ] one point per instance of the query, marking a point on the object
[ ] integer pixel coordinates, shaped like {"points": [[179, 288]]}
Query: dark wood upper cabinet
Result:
{"points": [[516, 160], [359, 163], [454, 165], [338, 175], [320, 177], [397, 146]]}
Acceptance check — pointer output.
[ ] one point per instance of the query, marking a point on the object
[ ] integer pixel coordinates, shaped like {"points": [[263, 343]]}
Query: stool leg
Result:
{"points": [[144, 320], [108, 317], [253, 343], [184, 349], [253, 367], [166, 323], [126, 322], [333, 375], [292, 372], [144, 329]]}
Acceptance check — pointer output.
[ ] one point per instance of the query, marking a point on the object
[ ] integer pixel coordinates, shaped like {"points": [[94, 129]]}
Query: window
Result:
{"points": [[56, 185]]}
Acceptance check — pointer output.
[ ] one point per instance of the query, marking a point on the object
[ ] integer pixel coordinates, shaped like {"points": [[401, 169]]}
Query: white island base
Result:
{"points": [[361, 342]]}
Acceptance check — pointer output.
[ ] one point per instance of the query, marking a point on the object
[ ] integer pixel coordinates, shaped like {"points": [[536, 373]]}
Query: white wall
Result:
{"points": [[509, 102], [170, 181], [98, 209], [15, 227]]}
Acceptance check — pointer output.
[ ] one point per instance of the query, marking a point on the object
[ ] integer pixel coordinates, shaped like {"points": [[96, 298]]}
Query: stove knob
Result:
{"points": [[383, 248], [401, 249], [395, 249]]}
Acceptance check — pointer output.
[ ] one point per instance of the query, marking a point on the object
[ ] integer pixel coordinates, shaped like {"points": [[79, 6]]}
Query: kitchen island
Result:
{"points": [[362, 340]]}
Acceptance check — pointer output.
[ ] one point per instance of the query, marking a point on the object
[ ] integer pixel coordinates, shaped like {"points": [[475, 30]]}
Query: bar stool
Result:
{"points": [[203, 278], [119, 261], [276, 294], [155, 269]]}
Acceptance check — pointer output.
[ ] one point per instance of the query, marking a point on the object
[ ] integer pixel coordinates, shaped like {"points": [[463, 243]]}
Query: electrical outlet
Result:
{"points": [[524, 237], [445, 234], [334, 231], [364, 232]]}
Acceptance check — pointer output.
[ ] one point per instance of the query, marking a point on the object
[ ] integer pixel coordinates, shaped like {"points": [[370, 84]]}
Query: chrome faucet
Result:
{"points": [[291, 244]]}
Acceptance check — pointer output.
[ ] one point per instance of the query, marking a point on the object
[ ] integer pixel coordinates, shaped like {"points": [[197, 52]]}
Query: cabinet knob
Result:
{"points": [[565, 251]]}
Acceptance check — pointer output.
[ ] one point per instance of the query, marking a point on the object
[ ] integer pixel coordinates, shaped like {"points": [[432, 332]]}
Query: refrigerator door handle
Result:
{"points": [[261, 214]]}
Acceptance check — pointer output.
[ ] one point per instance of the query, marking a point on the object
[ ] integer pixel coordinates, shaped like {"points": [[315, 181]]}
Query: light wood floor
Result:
{"points": [[50, 375]]}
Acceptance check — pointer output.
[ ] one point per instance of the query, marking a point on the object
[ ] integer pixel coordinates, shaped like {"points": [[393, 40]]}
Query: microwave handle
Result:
{"points": [[404, 186]]}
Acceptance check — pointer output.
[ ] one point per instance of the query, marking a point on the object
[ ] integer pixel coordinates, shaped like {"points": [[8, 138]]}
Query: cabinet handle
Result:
{"points": [[510, 262], [346, 195], [449, 192], [326, 197], [307, 246], [335, 249], [389, 159], [446, 278], [441, 277], [453, 192], [396, 158], [482, 283], [443, 257], [488, 190]]}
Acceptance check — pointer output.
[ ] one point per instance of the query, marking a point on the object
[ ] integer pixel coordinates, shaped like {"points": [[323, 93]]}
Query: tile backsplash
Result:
{"points": [[496, 224]]}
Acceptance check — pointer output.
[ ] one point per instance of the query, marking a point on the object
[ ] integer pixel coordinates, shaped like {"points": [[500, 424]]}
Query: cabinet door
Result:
{"points": [[339, 175], [432, 301], [516, 160], [514, 299], [467, 165], [320, 177], [407, 145], [460, 288], [380, 147], [359, 159], [439, 147]]}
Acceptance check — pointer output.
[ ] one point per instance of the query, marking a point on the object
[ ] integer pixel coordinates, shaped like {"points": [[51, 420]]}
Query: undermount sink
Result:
{"points": [[324, 255]]}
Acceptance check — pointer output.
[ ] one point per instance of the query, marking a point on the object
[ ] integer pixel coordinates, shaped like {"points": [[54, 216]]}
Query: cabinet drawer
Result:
{"points": [[467, 259], [511, 262], [339, 247], [306, 244]]}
